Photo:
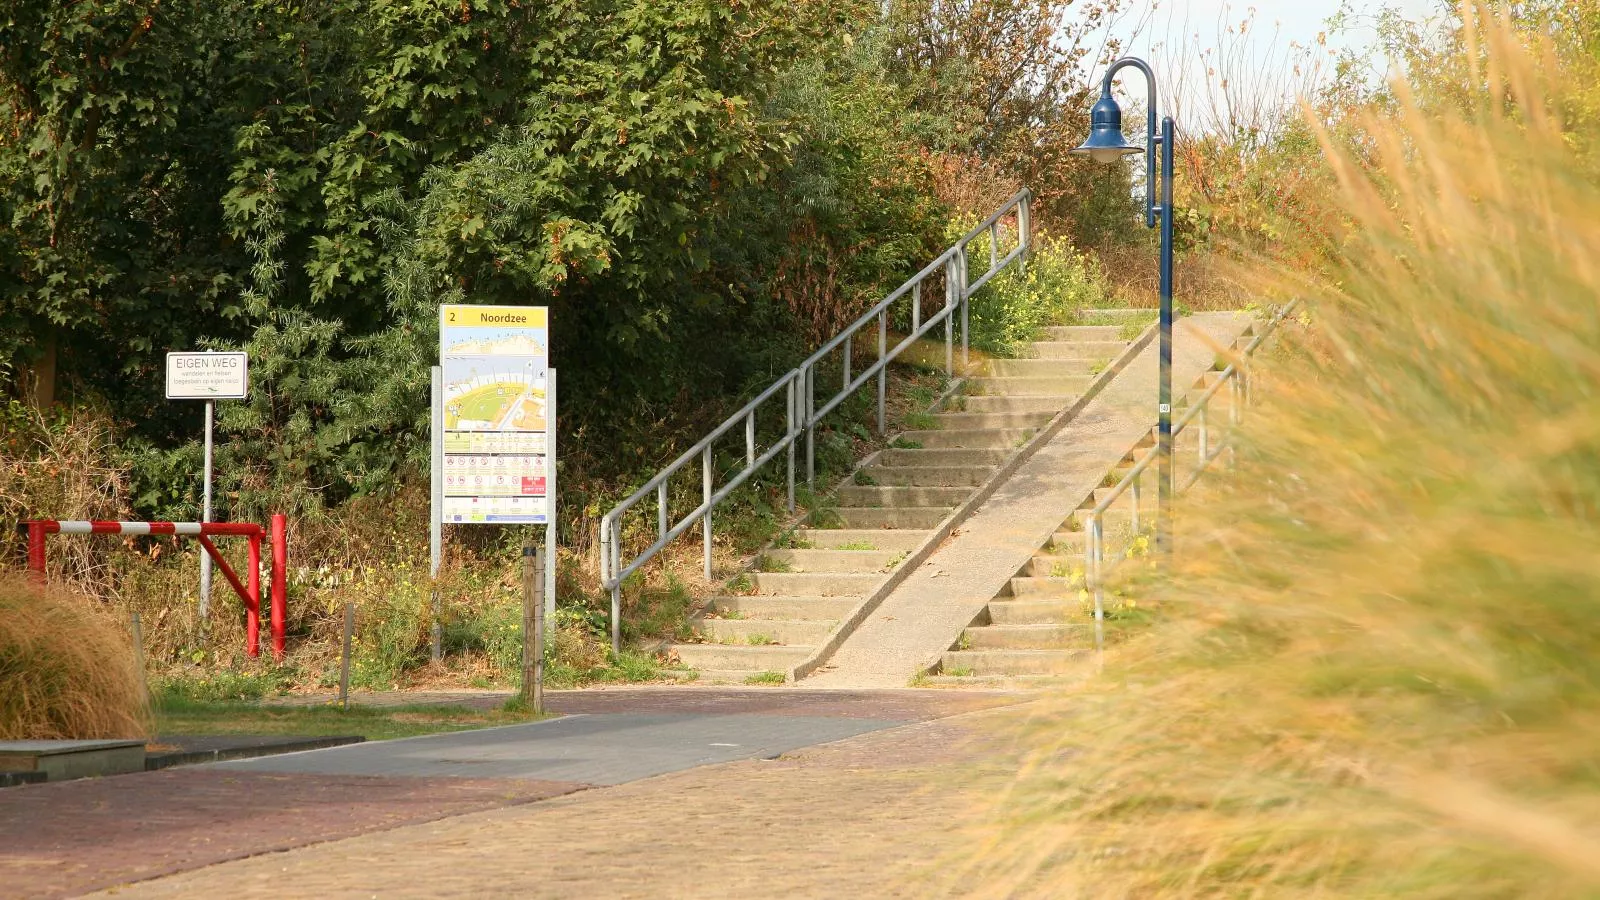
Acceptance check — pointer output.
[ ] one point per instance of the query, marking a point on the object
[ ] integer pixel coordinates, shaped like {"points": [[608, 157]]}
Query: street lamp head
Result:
{"points": [[1106, 143]]}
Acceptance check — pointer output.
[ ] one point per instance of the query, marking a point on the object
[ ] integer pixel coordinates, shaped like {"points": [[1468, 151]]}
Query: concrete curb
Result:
{"points": [[872, 601]]}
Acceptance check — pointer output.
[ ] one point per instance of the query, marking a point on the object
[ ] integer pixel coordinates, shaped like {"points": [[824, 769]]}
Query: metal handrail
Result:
{"points": [[1236, 376], [802, 414]]}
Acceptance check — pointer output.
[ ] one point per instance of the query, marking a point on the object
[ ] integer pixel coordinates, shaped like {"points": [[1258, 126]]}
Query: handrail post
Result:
{"points": [[952, 271], [1133, 490], [1024, 231], [808, 406], [705, 521], [966, 302], [750, 438], [663, 516], [790, 433], [916, 307], [883, 366], [1205, 442], [1096, 556]]}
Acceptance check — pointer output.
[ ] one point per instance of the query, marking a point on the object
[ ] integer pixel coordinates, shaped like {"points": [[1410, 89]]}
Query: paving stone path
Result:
{"points": [[181, 832], [888, 814]]}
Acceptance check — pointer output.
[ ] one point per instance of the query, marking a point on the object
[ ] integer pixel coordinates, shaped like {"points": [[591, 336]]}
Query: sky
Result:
{"points": [[1174, 33]]}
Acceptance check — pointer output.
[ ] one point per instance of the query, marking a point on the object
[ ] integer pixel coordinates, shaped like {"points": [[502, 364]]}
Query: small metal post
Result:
{"points": [[952, 271], [916, 307], [662, 521], [616, 613], [847, 342], [705, 521], [36, 557], [205, 516], [883, 366], [750, 438], [1096, 557], [344, 657]]}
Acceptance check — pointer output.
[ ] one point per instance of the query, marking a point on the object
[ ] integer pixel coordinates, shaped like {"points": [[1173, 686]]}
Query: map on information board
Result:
{"points": [[496, 421]]}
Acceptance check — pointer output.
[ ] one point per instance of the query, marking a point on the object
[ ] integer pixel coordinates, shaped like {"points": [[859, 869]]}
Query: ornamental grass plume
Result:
{"points": [[67, 671], [1376, 670]]}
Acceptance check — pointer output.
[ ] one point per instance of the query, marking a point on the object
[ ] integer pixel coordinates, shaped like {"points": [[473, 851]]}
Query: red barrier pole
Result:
{"points": [[36, 549], [252, 605], [280, 581]]}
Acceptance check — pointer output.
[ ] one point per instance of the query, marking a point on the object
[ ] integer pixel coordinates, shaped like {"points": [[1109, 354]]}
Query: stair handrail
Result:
{"points": [[1237, 377], [801, 412]]}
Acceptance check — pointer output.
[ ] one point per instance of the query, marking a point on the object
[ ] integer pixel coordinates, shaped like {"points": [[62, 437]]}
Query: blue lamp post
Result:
{"points": [[1107, 145]]}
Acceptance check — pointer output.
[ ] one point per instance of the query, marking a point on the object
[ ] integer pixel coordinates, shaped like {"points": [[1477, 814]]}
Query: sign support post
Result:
{"points": [[550, 492], [436, 502], [205, 516]]}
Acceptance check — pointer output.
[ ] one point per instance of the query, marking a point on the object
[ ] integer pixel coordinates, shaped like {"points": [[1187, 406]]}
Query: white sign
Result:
{"points": [[496, 415], [207, 376]]}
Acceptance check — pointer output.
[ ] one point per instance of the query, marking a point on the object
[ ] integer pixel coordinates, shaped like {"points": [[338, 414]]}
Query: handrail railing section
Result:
{"points": [[1236, 377], [801, 409]]}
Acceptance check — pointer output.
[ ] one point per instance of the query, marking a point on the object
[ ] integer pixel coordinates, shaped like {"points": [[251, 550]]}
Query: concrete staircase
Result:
{"points": [[774, 616], [1041, 624]]}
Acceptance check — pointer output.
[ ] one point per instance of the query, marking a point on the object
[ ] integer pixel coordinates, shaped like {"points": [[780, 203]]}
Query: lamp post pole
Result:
{"points": [[1107, 145]]}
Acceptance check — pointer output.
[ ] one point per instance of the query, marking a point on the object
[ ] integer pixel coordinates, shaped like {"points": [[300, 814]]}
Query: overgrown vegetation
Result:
{"points": [[700, 191], [1372, 672]]}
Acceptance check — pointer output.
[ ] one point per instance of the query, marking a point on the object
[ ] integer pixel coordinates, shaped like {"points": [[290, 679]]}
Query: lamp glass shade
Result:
{"points": [[1106, 143]]}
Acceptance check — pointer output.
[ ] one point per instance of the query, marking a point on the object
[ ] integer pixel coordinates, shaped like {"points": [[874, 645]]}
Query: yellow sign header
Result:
{"points": [[493, 316]]}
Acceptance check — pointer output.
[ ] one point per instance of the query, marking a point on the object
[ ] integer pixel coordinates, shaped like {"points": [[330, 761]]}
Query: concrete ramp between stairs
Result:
{"points": [[926, 613]]}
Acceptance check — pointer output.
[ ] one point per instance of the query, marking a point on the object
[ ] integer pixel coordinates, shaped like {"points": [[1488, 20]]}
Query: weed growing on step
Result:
{"points": [[863, 479], [758, 639], [905, 443], [765, 678], [920, 421], [766, 563], [857, 545], [960, 671]]}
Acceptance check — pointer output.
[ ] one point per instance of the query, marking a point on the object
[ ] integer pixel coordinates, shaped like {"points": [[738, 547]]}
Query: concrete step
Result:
{"points": [[923, 517], [815, 584], [1013, 662], [1082, 333], [731, 676], [989, 421], [1037, 636], [1047, 587], [969, 438], [988, 458], [764, 632], [1054, 565], [1068, 385], [928, 476], [900, 497], [785, 608], [1041, 368], [1117, 316], [1104, 350], [1015, 403], [772, 658], [1033, 612], [884, 539], [828, 560]]}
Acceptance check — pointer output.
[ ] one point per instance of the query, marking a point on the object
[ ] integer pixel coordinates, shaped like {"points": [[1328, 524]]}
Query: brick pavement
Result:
{"points": [[64, 839], [889, 814], [67, 838]]}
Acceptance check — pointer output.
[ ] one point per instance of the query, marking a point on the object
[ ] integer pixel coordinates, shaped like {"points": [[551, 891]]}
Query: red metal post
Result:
{"points": [[280, 582], [36, 549], [252, 604]]}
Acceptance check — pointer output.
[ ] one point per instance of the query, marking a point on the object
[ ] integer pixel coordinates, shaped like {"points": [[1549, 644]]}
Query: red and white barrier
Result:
{"points": [[203, 532]]}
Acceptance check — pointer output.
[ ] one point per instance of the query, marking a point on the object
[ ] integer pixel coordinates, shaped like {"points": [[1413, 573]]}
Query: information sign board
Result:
{"points": [[208, 376], [496, 415]]}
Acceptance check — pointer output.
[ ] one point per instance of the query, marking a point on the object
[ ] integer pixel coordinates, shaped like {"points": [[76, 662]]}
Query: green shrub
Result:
{"points": [[1055, 285]]}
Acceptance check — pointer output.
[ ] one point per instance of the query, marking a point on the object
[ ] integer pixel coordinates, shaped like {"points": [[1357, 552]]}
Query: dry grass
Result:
{"points": [[1378, 667], [66, 670]]}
